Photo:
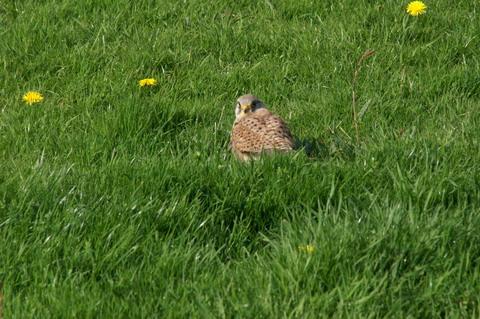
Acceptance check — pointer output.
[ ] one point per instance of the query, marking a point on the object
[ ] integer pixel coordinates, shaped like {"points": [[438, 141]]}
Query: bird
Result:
{"points": [[256, 130]]}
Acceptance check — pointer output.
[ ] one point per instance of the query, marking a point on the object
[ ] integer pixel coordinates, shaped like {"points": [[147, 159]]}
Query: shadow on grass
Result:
{"points": [[336, 147]]}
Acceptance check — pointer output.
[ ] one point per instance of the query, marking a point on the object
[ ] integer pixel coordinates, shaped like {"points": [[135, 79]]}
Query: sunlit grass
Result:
{"points": [[120, 201]]}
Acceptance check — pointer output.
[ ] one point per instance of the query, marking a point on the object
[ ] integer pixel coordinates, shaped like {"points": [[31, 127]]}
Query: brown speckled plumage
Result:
{"points": [[259, 131]]}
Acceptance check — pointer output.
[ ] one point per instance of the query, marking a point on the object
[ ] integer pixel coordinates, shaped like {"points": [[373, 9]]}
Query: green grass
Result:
{"points": [[120, 201]]}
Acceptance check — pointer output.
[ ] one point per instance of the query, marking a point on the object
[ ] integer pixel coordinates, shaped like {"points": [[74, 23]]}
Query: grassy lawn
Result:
{"points": [[120, 201]]}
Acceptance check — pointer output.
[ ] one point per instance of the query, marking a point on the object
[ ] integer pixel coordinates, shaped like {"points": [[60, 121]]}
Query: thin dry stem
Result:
{"points": [[1, 301], [368, 53]]}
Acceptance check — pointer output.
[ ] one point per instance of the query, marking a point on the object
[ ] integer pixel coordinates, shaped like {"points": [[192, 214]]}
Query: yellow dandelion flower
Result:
{"points": [[309, 249], [416, 8], [32, 97], [148, 82]]}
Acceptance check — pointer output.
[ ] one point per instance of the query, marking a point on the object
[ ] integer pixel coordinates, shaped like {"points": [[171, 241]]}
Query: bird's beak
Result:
{"points": [[245, 107]]}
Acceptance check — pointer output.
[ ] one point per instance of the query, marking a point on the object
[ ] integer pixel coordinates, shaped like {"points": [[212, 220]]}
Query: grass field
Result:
{"points": [[123, 201]]}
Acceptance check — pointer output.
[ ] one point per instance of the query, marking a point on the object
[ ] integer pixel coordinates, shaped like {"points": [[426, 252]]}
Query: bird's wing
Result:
{"points": [[261, 132], [278, 136]]}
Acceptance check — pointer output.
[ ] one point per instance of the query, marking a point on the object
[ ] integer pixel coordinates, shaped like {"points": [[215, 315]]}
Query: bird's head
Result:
{"points": [[246, 104]]}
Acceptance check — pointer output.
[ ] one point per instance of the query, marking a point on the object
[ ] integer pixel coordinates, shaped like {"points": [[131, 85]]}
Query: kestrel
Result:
{"points": [[256, 130]]}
